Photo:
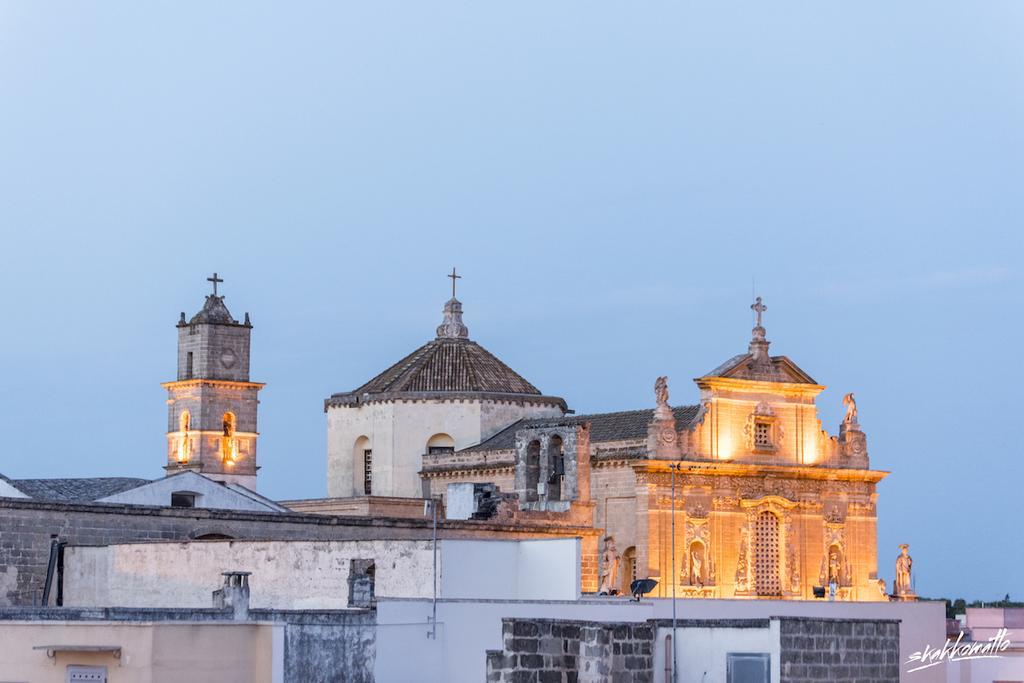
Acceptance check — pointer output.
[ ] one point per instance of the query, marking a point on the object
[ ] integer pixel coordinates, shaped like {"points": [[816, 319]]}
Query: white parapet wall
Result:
{"points": [[315, 574], [285, 574], [511, 570]]}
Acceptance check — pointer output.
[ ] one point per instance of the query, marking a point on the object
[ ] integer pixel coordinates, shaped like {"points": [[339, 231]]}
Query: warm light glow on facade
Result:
{"points": [[183, 448]]}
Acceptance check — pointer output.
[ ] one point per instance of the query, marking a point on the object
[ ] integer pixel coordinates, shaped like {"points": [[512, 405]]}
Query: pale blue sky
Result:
{"points": [[609, 177]]}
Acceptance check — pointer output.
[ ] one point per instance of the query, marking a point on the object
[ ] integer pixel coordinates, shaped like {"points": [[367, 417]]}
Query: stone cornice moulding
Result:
{"points": [[794, 389], [213, 432], [760, 470], [222, 383]]}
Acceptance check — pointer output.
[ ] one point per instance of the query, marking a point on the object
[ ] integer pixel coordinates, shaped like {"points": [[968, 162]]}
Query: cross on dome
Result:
{"points": [[454, 277]]}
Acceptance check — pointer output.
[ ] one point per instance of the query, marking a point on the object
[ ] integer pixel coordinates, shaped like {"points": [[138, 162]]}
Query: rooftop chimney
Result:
{"points": [[234, 594]]}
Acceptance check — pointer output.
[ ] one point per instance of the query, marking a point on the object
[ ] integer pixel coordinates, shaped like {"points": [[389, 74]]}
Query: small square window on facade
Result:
{"points": [[748, 667], [762, 435]]}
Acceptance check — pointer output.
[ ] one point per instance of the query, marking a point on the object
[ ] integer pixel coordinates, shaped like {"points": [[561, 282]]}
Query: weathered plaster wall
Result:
{"points": [[151, 652], [286, 574]]}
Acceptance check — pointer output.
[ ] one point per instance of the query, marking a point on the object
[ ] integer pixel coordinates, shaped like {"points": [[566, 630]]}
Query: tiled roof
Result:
{"points": [[75, 490], [449, 365], [604, 427]]}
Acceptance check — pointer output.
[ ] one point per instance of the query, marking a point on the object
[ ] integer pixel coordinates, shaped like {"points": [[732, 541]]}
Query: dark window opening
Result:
{"points": [[183, 500], [367, 471], [440, 450], [188, 366]]}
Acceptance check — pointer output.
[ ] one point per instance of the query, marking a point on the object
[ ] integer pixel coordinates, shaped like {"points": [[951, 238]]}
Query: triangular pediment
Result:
{"points": [[782, 369]]}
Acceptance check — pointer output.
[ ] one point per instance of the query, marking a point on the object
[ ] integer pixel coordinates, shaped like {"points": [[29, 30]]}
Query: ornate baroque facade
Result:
{"points": [[766, 503]]}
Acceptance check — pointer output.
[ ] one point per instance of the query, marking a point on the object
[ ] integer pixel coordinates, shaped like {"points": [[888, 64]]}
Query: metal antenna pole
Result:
{"points": [[433, 618], [673, 467]]}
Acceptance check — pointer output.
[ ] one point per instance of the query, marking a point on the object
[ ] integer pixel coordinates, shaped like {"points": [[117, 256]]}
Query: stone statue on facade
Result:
{"points": [[903, 566], [696, 566], [851, 409], [834, 567], [742, 564], [609, 568], [661, 391]]}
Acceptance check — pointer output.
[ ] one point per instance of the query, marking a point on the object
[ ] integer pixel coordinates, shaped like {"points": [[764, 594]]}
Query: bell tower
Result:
{"points": [[211, 407]]}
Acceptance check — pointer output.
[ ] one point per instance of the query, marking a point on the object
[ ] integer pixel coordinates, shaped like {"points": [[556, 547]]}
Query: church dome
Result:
{"points": [[449, 366]]}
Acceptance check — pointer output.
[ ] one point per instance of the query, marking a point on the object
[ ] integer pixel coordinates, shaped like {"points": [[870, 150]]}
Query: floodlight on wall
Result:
{"points": [[819, 591], [642, 587]]}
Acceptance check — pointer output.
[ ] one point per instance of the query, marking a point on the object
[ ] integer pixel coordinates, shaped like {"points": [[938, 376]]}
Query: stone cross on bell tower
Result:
{"points": [[211, 406], [760, 361]]}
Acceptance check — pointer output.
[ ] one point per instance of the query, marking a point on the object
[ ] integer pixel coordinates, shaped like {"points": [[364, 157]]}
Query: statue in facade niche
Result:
{"points": [[903, 566], [696, 565], [851, 409], [834, 567], [661, 391], [609, 568], [742, 567]]}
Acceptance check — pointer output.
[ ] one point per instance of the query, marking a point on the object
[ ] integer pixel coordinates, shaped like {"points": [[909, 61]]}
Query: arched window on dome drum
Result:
{"points": [[532, 470], [556, 468], [766, 555]]}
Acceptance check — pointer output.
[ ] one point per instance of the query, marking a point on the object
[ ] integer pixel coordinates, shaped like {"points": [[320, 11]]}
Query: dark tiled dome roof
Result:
{"points": [[449, 365]]}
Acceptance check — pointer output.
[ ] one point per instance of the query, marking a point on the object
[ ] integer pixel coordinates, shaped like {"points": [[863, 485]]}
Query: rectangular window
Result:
{"points": [[183, 500], [762, 435], [188, 366], [748, 667], [368, 471], [440, 450]]}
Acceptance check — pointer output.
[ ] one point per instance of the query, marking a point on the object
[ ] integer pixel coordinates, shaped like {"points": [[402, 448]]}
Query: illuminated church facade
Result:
{"points": [[764, 503]]}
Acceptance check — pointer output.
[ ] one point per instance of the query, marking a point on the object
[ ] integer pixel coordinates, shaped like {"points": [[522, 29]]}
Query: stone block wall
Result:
{"points": [[839, 650], [557, 651]]}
